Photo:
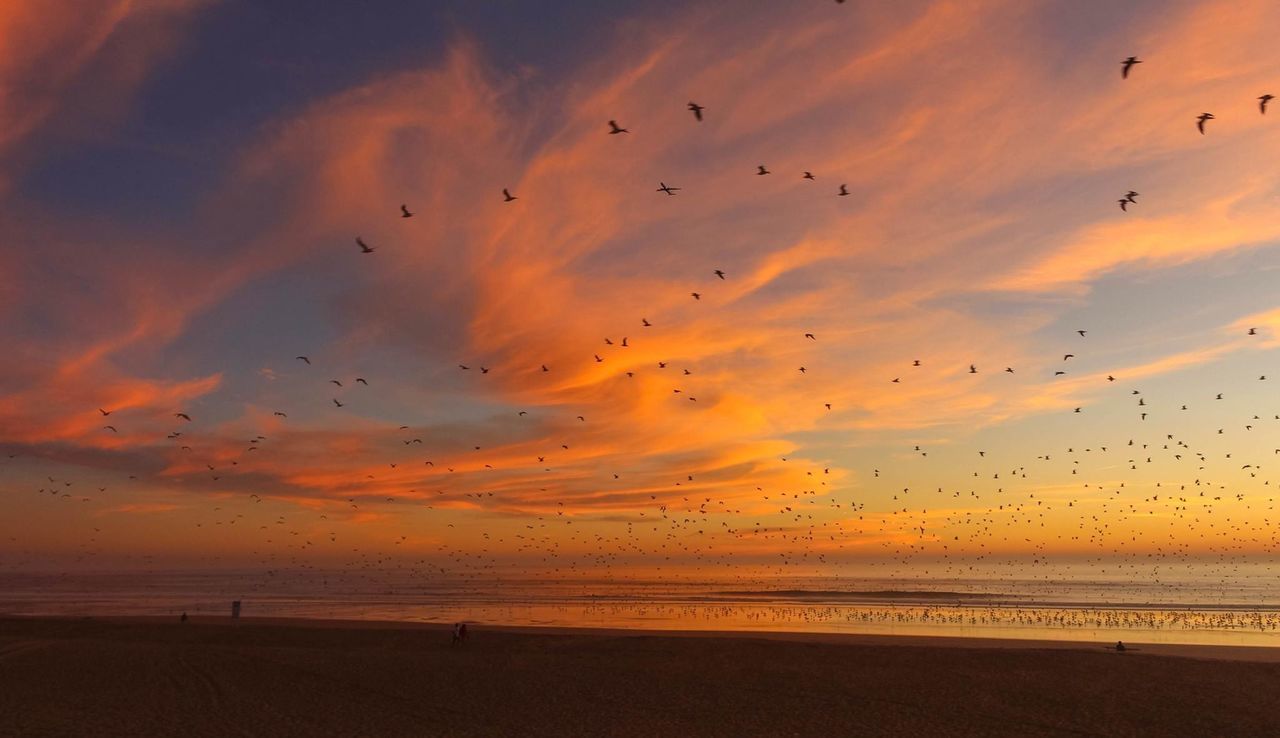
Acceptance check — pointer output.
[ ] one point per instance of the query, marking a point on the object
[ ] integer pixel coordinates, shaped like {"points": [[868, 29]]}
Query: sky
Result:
{"points": [[949, 347]]}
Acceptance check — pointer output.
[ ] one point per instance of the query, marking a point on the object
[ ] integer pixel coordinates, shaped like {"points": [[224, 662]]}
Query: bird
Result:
{"points": [[1082, 333], [615, 129], [645, 322], [1200, 119], [664, 187], [304, 359], [810, 336], [280, 414], [696, 109], [361, 381], [184, 416], [761, 171], [719, 274], [111, 428], [1253, 331], [973, 369], [844, 191], [507, 196], [1126, 65], [1131, 196], [1068, 356], [1124, 204], [335, 401], [696, 296], [1262, 103], [364, 247], [334, 381], [105, 413], [808, 175], [404, 212]]}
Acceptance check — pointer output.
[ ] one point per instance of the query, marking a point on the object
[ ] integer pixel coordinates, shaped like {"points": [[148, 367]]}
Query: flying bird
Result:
{"points": [[720, 274], [111, 428], [808, 175], [1200, 119], [844, 191], [1262, 103], [696, 109], [304, 359], [184, 416], [810, 336], [404, 212], [364, 247], [507, 196], [105, 413], [663, 187], [1126, 65], [361, 381], [761, 171], [614, 128]]}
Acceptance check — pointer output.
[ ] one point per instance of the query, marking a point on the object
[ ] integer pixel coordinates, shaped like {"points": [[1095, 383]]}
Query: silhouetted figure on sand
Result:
{"points": [[183, 618], [1120, 647]]}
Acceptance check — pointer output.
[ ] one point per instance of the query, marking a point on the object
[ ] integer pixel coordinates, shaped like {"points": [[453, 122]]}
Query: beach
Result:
{"points": [[215, 676]]}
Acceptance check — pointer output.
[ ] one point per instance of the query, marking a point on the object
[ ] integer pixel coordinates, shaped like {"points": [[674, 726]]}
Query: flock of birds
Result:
{"points": [[691, 526]]}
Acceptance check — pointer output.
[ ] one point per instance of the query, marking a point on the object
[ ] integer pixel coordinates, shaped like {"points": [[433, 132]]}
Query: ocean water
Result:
{"points": [[1189, 610]]}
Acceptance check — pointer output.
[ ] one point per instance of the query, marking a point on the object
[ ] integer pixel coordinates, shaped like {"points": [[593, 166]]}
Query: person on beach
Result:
{"points": [[184, 617], [462, 633], [1119, 646], [457, 634]]}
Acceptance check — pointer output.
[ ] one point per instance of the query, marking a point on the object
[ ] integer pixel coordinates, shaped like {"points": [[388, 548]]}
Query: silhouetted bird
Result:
{"points": [[696, 109], [404, 212], [613, 128], [1200, 119], [1262, 103], [507, 196], [364, 247]]}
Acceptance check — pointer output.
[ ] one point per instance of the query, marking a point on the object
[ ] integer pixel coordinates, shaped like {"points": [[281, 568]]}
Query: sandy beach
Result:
{"points": [[212, 677]]}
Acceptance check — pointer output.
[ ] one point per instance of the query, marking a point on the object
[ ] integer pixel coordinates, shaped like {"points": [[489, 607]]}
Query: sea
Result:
{"points": [[1243, 611]]}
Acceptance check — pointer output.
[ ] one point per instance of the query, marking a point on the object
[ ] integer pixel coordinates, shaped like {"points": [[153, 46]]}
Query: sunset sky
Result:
{"points": [[182, 183]]}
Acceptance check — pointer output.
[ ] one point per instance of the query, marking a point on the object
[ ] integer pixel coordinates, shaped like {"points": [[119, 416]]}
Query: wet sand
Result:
{"points": [[210, 677]]}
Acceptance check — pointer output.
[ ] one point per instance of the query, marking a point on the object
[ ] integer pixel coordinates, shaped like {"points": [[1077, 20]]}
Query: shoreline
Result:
{"points": [[1256, 654]]}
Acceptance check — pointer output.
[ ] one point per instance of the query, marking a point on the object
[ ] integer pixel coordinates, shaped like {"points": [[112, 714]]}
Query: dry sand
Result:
{"points": [[92, 677]]}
